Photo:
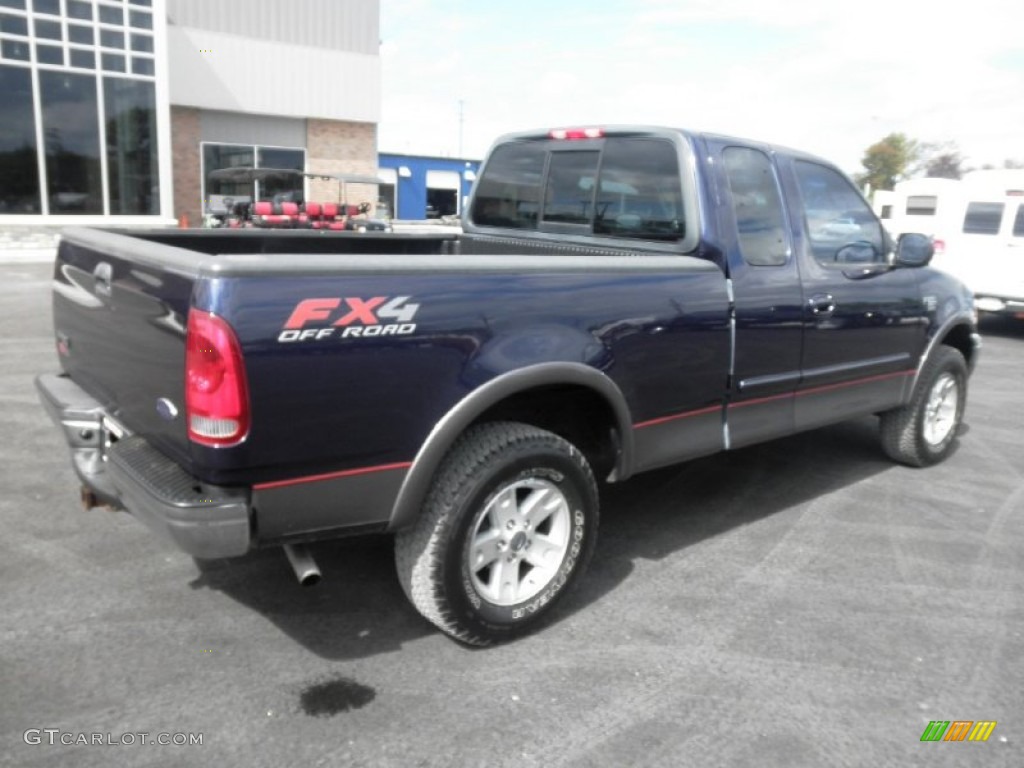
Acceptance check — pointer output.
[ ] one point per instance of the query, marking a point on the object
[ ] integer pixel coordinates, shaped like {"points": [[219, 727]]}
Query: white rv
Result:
{"points": [[978, 226]]}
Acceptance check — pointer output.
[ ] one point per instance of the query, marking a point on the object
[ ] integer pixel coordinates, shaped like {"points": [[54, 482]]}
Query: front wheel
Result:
{"points": [[923, 431], [508, 526]]}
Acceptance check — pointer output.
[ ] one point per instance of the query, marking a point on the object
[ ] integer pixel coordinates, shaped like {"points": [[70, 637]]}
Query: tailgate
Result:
{"points": [[120, 307]]}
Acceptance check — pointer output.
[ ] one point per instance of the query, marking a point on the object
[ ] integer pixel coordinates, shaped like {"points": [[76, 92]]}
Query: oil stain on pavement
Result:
{"points": [[335, 696]]}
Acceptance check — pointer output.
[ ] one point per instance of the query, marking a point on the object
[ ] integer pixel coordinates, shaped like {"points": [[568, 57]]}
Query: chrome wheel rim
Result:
{"points": [[518, 541], [941, 409]]}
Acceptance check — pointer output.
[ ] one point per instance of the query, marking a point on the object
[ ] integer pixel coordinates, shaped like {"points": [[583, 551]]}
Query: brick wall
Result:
{"points": [[334, 146], [185, 137]]}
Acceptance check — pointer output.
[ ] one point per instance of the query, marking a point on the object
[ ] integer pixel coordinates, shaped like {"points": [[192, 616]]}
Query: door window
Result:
{"points": [[837, 217]]}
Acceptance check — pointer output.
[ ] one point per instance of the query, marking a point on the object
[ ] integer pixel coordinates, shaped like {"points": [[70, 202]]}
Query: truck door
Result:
{"points": [[864, 322], [767, 298]]}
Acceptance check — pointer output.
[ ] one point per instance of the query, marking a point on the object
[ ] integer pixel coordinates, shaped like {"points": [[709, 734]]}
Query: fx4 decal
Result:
{"points": [[350, 317]]}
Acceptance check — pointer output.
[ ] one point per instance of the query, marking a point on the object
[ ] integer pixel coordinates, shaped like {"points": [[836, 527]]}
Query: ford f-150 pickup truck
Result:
{"points": [[620, 299]]}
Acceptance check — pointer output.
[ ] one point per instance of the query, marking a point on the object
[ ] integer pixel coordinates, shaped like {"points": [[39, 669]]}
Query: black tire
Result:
{"points": [[916, 433], [485, 504]]}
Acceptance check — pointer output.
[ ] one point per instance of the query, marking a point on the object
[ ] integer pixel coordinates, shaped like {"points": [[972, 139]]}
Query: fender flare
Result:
{"points": [[444, 434], [964, 318]]}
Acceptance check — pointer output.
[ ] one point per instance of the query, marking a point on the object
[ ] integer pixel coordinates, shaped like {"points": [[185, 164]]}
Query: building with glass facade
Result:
{"points": [[118, 111], [82, 133]]}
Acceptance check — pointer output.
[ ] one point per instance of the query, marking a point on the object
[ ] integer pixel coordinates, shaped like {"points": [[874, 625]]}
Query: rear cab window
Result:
{"points": [[615, 187]]}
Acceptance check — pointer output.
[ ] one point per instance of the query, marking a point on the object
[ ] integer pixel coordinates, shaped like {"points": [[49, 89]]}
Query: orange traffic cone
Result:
{"points": [[183, 221]]}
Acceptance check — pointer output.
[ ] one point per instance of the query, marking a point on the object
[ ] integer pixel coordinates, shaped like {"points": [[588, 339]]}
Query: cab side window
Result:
{"points": [[841, 227], [760, 223]]}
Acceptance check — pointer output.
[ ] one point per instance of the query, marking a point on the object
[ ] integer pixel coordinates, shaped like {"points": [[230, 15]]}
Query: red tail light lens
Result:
{"points": [[940, 246], [216, 392]]}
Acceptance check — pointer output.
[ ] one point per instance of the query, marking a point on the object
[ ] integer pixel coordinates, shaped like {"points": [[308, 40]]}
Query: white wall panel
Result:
{"points": [[348, 25], [235, 128], [214, 70]]}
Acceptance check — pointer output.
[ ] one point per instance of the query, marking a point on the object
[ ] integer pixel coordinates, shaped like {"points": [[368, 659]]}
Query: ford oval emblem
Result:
{"points": [[168, 411]]}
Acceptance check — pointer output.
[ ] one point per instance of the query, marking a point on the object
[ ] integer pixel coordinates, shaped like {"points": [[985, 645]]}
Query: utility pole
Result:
{"points": [[461, 121]]}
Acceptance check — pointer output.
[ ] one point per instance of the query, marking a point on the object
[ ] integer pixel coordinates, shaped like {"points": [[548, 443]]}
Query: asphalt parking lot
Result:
{"points": [[800, 603]]}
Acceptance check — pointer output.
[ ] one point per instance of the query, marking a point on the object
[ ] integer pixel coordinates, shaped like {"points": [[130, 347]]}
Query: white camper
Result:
{"points": [[978, 227], [986, 248]]}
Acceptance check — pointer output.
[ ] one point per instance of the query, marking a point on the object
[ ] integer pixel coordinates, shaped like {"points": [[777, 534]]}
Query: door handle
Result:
{"points": [[822, 304]]}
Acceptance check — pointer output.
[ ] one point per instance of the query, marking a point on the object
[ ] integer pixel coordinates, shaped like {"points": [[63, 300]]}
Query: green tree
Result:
{"points": [[889, 160]]}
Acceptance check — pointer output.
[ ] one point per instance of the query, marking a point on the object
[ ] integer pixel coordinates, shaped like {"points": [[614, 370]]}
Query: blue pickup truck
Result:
{"points": [[620, 299]]}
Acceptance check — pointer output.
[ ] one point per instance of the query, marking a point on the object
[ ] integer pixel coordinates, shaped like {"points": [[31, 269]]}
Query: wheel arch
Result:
{"points": [[506, 397], [958, 332]]}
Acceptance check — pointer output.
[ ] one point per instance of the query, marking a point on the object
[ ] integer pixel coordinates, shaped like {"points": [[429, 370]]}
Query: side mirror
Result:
{"points": [[913, 250]]}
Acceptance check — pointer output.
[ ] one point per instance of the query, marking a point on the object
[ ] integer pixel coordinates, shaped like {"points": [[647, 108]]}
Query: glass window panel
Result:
{"points": [[114, 62], [12, 49], [640, 193], [1018, 223], [760, 224], [19, 165], [79, 10], [19, 4], [48, 30], [508, 194], [285, 188], [110, 15], [217, 156], [141, 19], [49, 54], [983, 218], [836, 214], [142, 43], [83, 59], [132, 158], [142, 66], [80, 35], [570, 187], [46, 6], [13, 25], [146, 3], [110, 38], [71, 128], [922, 205]]}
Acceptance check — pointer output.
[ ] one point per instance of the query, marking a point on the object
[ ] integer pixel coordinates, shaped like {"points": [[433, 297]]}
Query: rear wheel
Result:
{"points": [[507, 528], [923, 432]]}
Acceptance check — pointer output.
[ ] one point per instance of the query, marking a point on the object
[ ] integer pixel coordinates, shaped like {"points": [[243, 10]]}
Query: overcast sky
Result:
{"points": [[823, 76]]}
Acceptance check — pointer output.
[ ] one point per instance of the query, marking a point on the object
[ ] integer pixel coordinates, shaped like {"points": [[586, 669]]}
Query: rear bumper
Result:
{"points": [[127, 472]]}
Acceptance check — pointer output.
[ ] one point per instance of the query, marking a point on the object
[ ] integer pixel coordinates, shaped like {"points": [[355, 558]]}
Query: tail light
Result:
{"points": [[940, 246], [216, 393], [576, 133]]}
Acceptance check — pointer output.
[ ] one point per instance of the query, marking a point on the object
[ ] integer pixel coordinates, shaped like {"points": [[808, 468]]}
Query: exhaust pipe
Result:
{"points": [[303, 564]]}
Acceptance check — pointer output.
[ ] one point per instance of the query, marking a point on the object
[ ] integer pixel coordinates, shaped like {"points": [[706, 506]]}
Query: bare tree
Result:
{"points": [[942, 160]]}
